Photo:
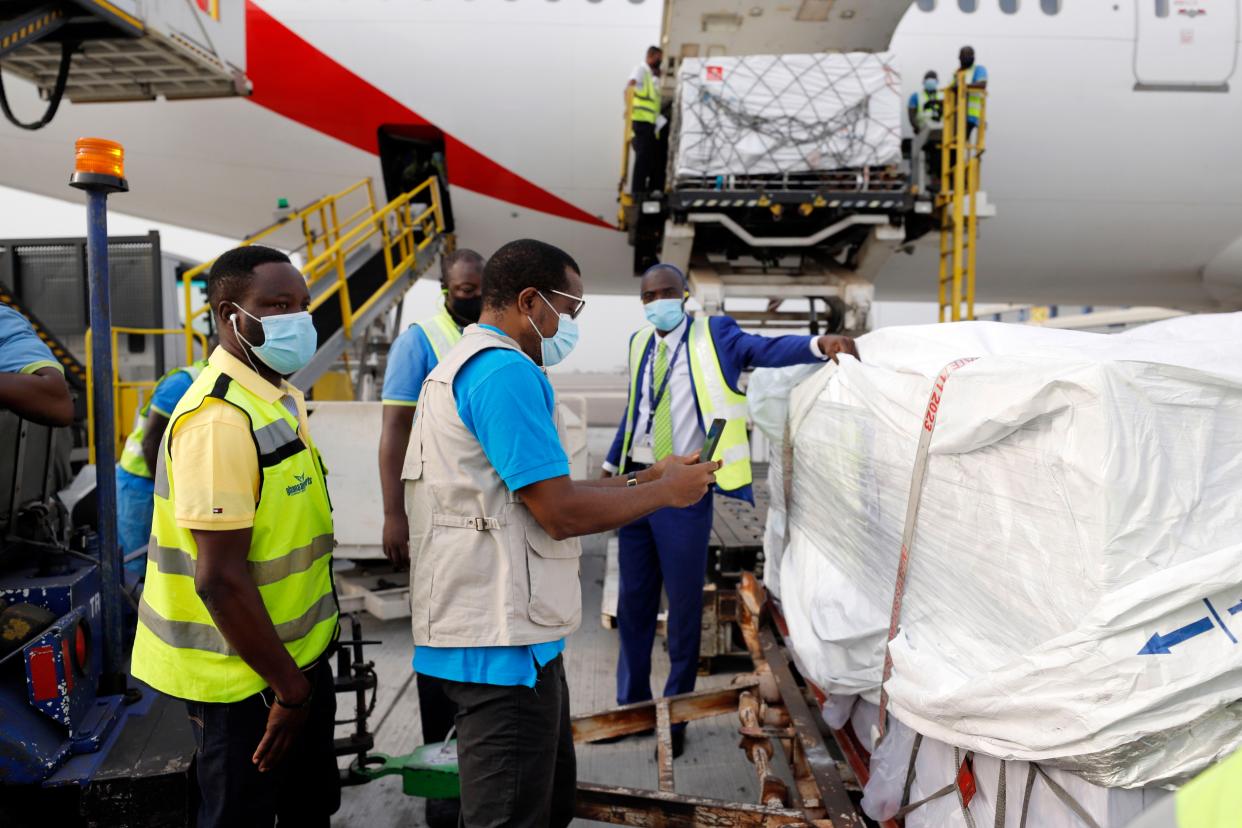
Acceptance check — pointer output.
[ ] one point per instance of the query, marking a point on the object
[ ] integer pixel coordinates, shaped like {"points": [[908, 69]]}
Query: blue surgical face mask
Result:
{"points": [[930, 84], [665, 314], [289, 340], [555, 348]]}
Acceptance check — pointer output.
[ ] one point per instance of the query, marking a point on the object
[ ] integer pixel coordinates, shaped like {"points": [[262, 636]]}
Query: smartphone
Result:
{"points": [[713, 437]]}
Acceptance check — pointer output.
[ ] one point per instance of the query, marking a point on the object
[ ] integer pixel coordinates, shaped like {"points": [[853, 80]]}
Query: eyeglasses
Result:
{"points": [[573, 314]]}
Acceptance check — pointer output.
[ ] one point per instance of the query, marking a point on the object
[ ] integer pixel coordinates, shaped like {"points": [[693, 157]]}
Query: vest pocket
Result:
{"points": [[552, 568]]}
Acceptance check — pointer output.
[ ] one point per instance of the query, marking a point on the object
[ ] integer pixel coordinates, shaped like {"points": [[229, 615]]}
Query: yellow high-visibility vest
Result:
{"points": [[132, 459], [442, 332], [177, 649], [646, 105], [715, 400]]}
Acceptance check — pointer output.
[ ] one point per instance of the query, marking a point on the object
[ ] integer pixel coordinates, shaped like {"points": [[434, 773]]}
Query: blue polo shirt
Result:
{"points": [[506, 402], [410, 360], [21, 350], [168, 392]]}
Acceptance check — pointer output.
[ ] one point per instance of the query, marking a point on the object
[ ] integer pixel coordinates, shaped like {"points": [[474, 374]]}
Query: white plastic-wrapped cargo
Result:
{"points": [[1074, 595], [776, 114]]}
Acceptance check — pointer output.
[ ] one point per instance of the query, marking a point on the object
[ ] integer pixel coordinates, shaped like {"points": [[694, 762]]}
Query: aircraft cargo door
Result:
{"points": [[1185, 44]]}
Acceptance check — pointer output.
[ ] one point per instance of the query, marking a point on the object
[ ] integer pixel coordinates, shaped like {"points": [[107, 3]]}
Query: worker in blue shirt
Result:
{"points": [[32, 382], [976, 78], [415, 352], [135, 471], [494, 521], [683, 375]]}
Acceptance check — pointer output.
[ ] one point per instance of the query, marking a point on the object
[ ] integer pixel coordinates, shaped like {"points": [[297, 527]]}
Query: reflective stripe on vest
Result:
{"points": [[442, 332], [714, 397], [646, 102], [974, 100], [132, 459], [178, 650]]}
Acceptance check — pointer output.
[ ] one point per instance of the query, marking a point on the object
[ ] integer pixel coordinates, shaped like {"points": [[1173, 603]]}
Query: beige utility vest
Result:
{"points": [[483, 572]]}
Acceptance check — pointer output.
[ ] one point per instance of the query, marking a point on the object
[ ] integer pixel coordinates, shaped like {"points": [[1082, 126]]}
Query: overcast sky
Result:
{"points": [[606, 323]]}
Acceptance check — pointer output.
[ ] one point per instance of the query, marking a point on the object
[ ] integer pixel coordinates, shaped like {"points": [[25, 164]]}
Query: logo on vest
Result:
{"points": [[302, 485]]}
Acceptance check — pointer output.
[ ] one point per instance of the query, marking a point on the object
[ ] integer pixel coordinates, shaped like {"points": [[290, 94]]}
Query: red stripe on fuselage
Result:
{"points": [[293, 78]]}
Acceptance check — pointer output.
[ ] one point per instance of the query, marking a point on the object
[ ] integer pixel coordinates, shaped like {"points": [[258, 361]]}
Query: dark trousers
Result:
{"points": [[668, 548], [515, 752], [303, 790], [645, 177]]}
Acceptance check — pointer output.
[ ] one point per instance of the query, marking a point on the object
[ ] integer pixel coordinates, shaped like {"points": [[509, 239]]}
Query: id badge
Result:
{"points": [[642, 453]]}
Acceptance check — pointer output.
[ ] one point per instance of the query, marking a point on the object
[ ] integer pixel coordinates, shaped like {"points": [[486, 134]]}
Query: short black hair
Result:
{"points": [[685, 285], [931, 73], [230, 273], [654, 50], [521, 264], [464, 254]]}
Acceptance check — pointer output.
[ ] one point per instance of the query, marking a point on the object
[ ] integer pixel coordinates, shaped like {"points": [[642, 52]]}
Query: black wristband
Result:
{"points": [[303, 703], [631, 479]]}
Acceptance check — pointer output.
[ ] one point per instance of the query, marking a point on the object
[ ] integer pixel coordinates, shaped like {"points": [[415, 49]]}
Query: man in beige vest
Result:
{"points": [[494, 521]]}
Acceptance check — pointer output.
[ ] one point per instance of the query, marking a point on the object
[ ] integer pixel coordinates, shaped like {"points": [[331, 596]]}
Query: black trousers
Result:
{"points": [[515, 752], [303, 790], [646, 148]]}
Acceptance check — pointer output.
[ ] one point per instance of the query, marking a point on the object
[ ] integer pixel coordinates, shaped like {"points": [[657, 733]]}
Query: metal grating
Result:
{"points": [[130, 69]]}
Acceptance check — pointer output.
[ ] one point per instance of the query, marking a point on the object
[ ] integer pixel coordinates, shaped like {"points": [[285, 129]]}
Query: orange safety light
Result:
{"points": [[98, 163]]}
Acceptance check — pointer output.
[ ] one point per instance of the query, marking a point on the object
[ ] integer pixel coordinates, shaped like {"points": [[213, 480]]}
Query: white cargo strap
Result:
{"points": [[907, 533], [479, 524]]}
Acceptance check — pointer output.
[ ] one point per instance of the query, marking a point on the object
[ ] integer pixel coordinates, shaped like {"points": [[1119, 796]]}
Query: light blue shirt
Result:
{"points": [[21, 350], [410, 360], [506, 402]]}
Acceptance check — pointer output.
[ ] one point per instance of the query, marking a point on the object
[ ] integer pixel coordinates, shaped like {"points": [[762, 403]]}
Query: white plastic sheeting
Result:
{"points": [[1076, 557], [774, 114]]}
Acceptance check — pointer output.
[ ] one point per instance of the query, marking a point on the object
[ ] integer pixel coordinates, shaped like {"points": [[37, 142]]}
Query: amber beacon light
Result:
{"points": [[99, 164]]}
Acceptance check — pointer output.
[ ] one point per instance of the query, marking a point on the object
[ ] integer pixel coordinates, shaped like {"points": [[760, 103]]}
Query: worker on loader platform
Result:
{"points": [[494, 522], [683, 374], [926, 106], [135, 480], [239, 612], [410, 359], [648, 174], [32, 382], [976, 78]]}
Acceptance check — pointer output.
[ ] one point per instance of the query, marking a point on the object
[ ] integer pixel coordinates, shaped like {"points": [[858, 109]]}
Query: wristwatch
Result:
{"points": [[631, 479]]}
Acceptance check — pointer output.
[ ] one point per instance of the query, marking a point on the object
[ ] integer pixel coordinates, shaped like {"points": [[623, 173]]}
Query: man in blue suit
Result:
{"points": [[683, 374]]}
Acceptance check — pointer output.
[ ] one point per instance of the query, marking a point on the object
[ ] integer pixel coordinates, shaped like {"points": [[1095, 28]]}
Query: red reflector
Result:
{"points": [[81, 647], [41, 665], [966, 781]]}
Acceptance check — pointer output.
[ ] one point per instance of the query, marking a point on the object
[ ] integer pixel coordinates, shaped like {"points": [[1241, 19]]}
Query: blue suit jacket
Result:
{"points": [[738, 351]]}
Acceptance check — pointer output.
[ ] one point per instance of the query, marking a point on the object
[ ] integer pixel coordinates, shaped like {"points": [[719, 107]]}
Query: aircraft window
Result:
{"points": [[1050, 6], [968, 6], [1162, 8], [927, 5], [1009, 6]]}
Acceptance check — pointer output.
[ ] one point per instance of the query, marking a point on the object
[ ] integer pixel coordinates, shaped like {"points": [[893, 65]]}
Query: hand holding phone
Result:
{"points": [[714, 432]]}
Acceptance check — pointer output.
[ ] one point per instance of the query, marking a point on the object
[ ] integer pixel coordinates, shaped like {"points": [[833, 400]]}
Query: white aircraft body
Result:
{"points": [[1112, 129]]}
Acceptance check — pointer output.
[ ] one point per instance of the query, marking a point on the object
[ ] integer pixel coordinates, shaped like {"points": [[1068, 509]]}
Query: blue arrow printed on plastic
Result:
{"points": [[1236, 608], [1159, 644]]}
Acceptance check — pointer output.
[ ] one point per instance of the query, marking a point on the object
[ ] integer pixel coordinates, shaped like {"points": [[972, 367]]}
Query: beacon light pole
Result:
{"points": [[99, 169]]}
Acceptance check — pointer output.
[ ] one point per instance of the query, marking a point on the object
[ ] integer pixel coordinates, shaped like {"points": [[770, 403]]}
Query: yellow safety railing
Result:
{"points": [[321, 226], [122, 419], [331, 232], [961, 148], [624, 199]]}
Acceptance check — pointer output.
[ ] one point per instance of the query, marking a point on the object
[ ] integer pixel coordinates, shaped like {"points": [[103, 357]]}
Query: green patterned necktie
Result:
{"points": [[662, 428]]}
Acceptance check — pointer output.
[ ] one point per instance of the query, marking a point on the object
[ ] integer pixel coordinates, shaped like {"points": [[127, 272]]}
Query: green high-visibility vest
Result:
{"points": [[1213, 799], [715, 399], [132, 459], [177, 649], [646, 105], [929, 109], [442, 332], [974, 100]]}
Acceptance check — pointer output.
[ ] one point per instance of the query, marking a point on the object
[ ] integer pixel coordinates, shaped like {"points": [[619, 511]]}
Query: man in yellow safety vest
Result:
{"points": [[239, 610], [644, 114], [410, 359], [976, 79], [683, 375], [135, 478]]}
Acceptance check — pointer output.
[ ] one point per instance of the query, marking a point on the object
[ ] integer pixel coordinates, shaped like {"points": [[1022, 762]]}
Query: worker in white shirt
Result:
{"points": [[644, 113]]}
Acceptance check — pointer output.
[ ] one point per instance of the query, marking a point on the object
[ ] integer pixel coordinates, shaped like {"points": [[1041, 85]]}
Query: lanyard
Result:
{"points": [[654, 396]]}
